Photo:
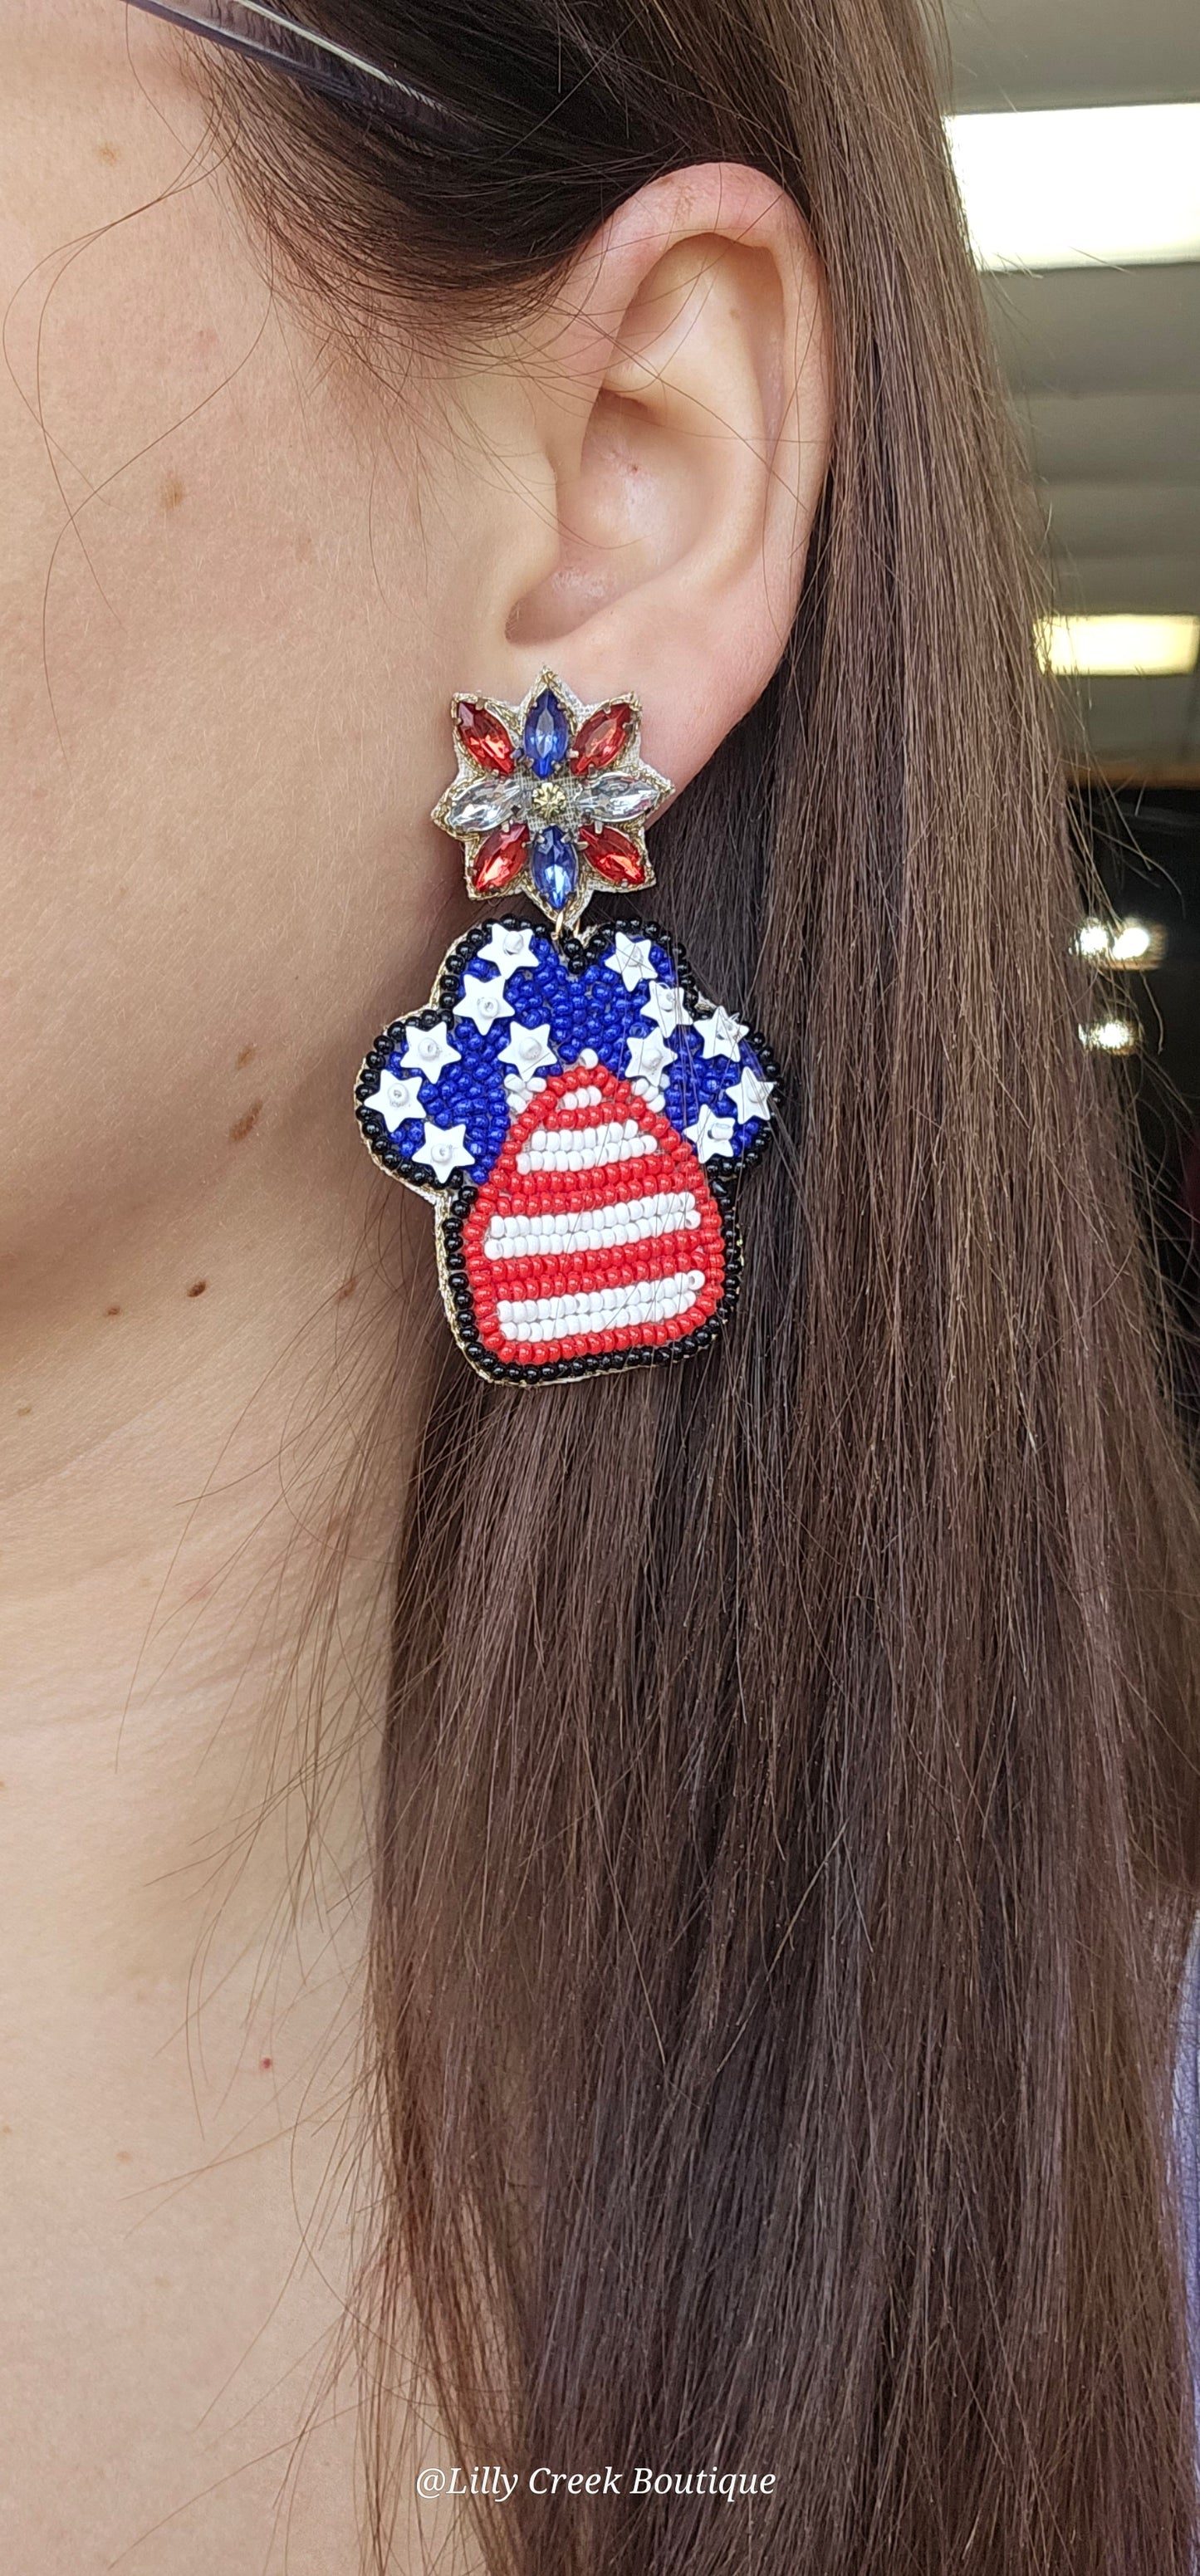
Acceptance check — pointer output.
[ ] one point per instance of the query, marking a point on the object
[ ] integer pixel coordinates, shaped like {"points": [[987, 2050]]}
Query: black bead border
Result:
{"points": [[453, 1198]]}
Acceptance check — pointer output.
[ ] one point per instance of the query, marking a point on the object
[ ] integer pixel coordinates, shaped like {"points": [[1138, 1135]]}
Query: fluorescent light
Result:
{"points": [[1136, 646], [1112, 1037], [1080, 187]]}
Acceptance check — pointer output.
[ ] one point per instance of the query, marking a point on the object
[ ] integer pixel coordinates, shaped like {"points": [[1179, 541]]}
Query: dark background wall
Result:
{"points": [[1145, 842]]}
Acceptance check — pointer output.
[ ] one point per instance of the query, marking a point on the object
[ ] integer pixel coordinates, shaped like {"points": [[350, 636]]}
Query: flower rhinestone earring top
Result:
{"points": [[552, 798], [574, 1108]]}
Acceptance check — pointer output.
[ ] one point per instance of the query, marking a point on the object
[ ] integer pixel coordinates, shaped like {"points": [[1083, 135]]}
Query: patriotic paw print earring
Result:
{"points": [[573, 1107]]}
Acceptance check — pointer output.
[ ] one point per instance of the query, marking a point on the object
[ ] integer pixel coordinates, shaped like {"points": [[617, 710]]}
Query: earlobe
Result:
{"points": [[683, 401]]}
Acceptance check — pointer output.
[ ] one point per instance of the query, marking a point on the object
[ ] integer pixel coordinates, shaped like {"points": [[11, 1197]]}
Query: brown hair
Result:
{"points": [[789, 1801]]}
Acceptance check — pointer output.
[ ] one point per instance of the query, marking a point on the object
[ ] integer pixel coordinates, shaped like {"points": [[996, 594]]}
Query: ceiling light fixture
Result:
{"points": [[1093, 939], [1134, 647], [1132, 945], [1112, 1037], [1080, 187]]}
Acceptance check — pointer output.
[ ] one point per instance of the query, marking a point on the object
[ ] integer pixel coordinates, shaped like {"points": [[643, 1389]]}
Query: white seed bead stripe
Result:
{"points": [[589, 1098], [584, 1149], [512, 1238], [599, 1310]]}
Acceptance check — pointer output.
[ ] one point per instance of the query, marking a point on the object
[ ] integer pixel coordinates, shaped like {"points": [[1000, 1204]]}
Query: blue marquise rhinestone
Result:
{"points": [[546, 734], [554, 867]]}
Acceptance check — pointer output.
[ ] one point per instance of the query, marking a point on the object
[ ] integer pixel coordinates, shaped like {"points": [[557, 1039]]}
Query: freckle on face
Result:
{"points": [[245, 1056], [241, 1126], [171, 492]]}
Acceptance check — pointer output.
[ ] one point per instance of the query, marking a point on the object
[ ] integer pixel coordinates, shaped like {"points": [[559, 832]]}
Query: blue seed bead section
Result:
{"points": [[546, 734], [553, 866], [589, 1010]]}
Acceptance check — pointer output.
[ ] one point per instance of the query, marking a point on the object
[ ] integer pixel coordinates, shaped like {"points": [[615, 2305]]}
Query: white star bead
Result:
{"points": [[710, 1135], [750, 1096], [509, 950], [649, 1057], [721, 1034], [482, 1002], [396, 1100], [665, 1005], [630, 959], [444, 1150], [527, 1049], [429, 1049]]}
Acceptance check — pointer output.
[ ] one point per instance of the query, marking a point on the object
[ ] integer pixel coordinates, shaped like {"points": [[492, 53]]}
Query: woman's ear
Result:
{"points": [[661, 491]]}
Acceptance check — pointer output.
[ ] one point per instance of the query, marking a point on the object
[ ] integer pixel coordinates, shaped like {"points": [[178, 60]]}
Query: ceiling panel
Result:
{"points": [[1104, 364], [1126, 521], [1114, 438], [1073, 53], [1104, 330], [1140, 584], [1154, 718]]}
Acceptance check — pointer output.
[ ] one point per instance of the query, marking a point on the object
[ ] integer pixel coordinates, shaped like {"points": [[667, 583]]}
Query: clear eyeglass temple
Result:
{"points": [[250, 27]]}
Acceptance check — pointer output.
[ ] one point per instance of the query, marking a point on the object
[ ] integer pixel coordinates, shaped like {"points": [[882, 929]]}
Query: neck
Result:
{"points": [[203, 1434]]}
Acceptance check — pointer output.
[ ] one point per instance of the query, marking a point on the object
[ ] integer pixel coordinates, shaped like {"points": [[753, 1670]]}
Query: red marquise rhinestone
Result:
{"points": [[613, 855], [601, 739], [485, 738], [501, 857]]}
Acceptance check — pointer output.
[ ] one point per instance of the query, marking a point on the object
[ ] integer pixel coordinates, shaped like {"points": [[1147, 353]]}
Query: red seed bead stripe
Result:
{"points": [[613, 855], [601, 739], [551, 1273], [501, 858], [622, 1266], [485, 738]]}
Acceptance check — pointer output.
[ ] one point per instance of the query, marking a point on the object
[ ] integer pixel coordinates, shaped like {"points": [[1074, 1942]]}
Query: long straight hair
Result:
{"points": [[789, 1804]]}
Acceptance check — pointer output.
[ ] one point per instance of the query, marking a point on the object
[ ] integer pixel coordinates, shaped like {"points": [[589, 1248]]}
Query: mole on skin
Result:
{"points": [[198, 1287], [241, 1126]]}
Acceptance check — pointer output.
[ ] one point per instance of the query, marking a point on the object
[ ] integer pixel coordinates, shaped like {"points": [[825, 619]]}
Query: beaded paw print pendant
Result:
{"points": [[573, 1106]]}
